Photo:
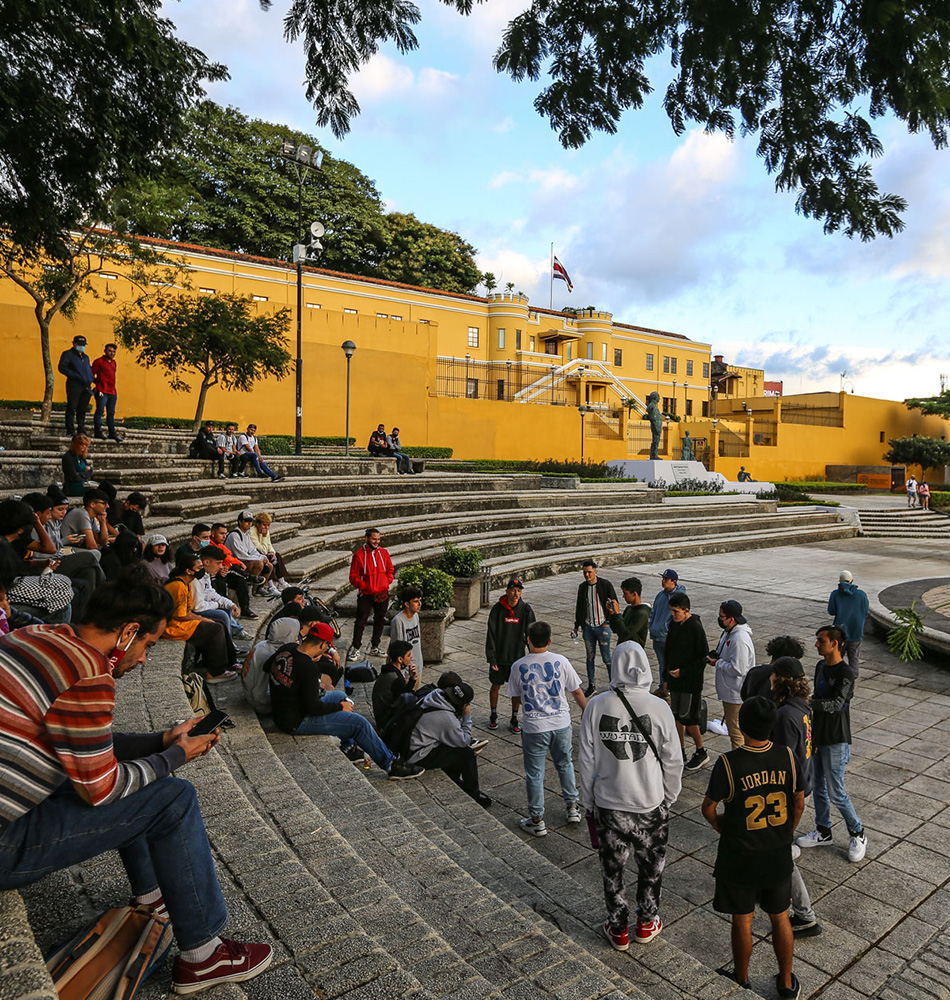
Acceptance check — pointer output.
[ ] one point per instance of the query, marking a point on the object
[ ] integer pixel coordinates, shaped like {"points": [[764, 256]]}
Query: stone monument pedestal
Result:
{"points": [[671, 472]]}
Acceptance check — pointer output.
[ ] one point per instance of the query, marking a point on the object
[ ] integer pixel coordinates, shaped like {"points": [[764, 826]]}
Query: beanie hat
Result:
{"points": [[757, 717]]}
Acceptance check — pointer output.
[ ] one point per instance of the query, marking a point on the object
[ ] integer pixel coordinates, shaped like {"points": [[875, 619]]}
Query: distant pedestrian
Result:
{"points": [[760, 786], [634, 622], [734, 658], [923, 492], [371, 572], [911, 487], [103, 371], [631, 771], [74, 364], [660, 617], [506, 640], [686, 650], [850, 606], [591, 612], [541, 682]]}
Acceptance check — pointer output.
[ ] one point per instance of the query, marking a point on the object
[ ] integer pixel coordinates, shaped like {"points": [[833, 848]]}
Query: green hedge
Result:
{"points": [[177, 423], [939, 500], [427, 451], [284, 444], [820, 486], [27, 404], [551, 466]]}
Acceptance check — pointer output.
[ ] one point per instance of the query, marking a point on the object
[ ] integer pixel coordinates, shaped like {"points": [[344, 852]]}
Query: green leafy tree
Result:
{"points": [[927, 452], [88, 93], [489, 281], [806, 77], [938, 406], [419, 253], [216, 338]]}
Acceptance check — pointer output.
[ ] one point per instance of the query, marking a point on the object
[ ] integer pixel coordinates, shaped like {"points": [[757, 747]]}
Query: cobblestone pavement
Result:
{"points": [[883, 919]]}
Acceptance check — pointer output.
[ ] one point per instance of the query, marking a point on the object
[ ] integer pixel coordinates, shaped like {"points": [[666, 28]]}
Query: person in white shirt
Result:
{"points": [[911, 487], [207, 602], [241, 546], [260, 539], [227, 448], [405, 625], [250, 454], [540, 682]]}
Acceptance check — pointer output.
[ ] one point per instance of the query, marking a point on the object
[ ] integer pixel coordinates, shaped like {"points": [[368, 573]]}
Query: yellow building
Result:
{"points": [[490, 377]]}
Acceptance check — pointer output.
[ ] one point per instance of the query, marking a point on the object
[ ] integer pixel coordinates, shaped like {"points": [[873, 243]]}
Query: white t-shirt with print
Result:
{"points": [[543, 682]]}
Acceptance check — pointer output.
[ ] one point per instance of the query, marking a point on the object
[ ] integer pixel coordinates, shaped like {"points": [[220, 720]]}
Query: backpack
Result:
{"points": [[109, 958], [197, 693], [406, 713]]}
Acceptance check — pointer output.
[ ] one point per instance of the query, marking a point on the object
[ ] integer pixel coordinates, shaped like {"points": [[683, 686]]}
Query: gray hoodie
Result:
{"points": [[736, 659], [616, 767], [255, 681], [442, 726]]}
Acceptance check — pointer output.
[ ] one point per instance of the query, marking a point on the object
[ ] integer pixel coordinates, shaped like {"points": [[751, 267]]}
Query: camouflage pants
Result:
{"points": [[645, 834]]}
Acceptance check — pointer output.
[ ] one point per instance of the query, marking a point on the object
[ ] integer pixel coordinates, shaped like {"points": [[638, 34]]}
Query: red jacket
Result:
{"points": [[371, 570]]}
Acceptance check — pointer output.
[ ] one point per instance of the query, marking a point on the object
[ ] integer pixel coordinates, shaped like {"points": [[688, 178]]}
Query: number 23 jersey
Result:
{"points": [[757, 785]]}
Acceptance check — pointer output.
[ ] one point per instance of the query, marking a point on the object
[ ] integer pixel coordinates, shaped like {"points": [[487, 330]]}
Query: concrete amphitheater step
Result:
{"points": [[321, 950], [502, 860], [511, 946]]}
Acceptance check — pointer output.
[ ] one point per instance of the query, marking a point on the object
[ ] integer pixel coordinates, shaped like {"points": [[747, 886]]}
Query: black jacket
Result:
{"points": [[831, 704], [686, 649], [605, 592], [793, 730], [295, 690], [631, 624], [507, 636]]}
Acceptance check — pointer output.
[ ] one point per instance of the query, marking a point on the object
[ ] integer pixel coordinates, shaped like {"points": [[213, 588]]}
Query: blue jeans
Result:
{"points": [[347, 726], [159, 834], [535, 747], [830, 764], [258, 464], [403, 462], [659, 647], [594, 636], [105, 403]]}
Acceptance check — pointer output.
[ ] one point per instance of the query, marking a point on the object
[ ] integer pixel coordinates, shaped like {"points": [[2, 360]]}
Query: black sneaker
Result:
{"points": [[788, 993], [513, 725], [731, 974], [400, 771], [699, 759], [483, 800], [804, 928], [589, 690], [493, 720], [249, 615]]}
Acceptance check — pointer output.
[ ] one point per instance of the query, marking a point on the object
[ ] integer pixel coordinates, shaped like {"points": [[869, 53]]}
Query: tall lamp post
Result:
{"points": [[348, 347], [583, 411], [303, 157]]}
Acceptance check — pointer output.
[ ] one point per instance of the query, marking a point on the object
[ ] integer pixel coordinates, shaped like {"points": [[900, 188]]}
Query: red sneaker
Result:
{"points": [[230, 962], [619, 939], [648, 931]]}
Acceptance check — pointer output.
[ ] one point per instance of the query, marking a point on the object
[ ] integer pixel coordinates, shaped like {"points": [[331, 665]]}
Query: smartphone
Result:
{"points": [[212, 721]]}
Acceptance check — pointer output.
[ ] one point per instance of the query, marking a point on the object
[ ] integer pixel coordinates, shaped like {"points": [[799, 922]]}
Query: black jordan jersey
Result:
{"points": [[757, 786]]}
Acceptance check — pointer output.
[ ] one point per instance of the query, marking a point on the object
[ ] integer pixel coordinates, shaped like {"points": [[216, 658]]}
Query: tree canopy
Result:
{"points": [[806, 77], [927, 452], [225, 185], [938, 406], [221, 339], [87, 94]]}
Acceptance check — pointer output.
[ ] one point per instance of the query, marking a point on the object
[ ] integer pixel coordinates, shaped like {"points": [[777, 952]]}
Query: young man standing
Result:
{"points": [[405, 626], [686, 650], [74, 364], [541, 681], [591, 611], [831, 737], [631, 771], [103, 371], [371, 572], [635, 620], [734, 658], [660, 617], [761, 788], [505, 642], [849, 605]]}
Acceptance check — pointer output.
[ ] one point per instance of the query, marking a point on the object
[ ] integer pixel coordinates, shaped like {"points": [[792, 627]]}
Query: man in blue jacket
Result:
{"points": [[660, 618], [849, 605], [79, 385]]}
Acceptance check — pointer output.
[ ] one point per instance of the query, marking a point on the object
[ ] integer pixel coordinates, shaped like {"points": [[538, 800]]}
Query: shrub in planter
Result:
{"points": [[457, 561], [463, 565]]}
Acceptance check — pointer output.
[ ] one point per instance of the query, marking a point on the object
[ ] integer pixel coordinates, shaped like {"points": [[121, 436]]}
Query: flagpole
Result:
{"points": [[551, 300]]}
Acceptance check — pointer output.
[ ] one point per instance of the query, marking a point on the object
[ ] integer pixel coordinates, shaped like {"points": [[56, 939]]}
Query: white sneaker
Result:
{"points": [[377, 651], [355, 653], [796, 852], [815, 839], [272, 590], [858, 847], [573, 813], [535, 827]]}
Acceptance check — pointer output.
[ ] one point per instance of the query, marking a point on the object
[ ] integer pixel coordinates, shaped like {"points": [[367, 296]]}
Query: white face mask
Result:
{"points": [[80, 349]]}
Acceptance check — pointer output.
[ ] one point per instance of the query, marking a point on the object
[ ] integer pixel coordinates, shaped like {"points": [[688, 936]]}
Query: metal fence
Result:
{"points": [[603, 426], [806, 413], [732, 445], [764, 431], [640, 437], [498, 380]]}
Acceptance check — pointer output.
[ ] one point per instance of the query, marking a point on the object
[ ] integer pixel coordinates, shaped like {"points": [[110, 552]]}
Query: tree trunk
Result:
{"points": [[50, 378], [200, 408]]}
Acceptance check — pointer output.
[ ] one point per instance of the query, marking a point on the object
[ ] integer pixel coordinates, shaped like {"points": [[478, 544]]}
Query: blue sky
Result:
{"points": [[682, 233]]}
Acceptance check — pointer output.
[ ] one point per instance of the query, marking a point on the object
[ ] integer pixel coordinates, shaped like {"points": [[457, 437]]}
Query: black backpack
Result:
{"points": [[406, 712]]}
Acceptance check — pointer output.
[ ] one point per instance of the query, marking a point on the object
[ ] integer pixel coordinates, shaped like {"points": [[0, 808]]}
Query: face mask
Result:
{"points": [[204, 542], [80, 349], [115, 658], [200, 574], [722, 623]]}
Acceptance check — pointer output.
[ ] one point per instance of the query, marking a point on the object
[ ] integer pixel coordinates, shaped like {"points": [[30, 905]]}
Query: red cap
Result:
{"points": [[320, 630]]}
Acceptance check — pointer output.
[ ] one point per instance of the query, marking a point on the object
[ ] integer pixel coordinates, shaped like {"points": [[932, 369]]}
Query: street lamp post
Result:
{"points": [[348, 347], [508, 384], [583, 411], [553, 370], [303, 158], [685, 398]]}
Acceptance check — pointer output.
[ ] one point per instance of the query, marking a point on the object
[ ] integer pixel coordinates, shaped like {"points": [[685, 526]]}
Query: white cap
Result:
{"points": [[845, 577], [154, 540]]}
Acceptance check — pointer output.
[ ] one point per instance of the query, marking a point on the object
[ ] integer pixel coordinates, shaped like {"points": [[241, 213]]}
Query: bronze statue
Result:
{"points": [[687, 448], [656, 422]]}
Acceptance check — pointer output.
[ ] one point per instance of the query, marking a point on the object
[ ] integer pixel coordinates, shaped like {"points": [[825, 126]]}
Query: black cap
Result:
{"points": [[459, 695], [788, 666], [79, 339], [57, 495], [515, 582], [733, 609], [757, 717]]}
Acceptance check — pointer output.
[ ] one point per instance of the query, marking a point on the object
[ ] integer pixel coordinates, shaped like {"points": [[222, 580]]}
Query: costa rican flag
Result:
{"points": [[560, 271]]}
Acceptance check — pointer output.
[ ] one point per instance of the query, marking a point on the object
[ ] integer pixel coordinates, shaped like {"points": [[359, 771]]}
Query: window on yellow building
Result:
{"points": [[705, 408], [422, 321], [313, 305], [500, 388], [501, 338], [398, 319], [352, 312], [206, 291], [666, 365], [705, 369], [649, 362], [517, 340], [590, 352], [473, 336], [570, 352], [689, 367], [471, 388], [618, 357], [531, 343], [603, 352], [672, 366], [382, 315], [689, 407], [107, 276], [259, 298]]}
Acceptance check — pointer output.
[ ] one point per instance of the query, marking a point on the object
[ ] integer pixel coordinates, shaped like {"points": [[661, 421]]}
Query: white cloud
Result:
{"points": [[505, 177], [382, 77], [505, 125], [436, 82], [514, 266]]}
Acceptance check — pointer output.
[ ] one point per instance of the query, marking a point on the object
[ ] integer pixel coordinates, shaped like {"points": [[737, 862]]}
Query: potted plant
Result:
{"points": [[437, 612], [463, 565]]}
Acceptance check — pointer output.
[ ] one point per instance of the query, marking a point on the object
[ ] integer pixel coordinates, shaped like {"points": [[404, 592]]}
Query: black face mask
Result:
{"points": [[200, 574], [722, 622]]}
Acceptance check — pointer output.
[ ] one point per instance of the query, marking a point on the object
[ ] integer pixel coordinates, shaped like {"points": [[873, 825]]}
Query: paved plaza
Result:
{"points": [[875, 915]]}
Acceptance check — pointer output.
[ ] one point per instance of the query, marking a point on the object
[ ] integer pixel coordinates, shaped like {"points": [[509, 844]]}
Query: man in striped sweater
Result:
{"points": [[71, 788]]}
